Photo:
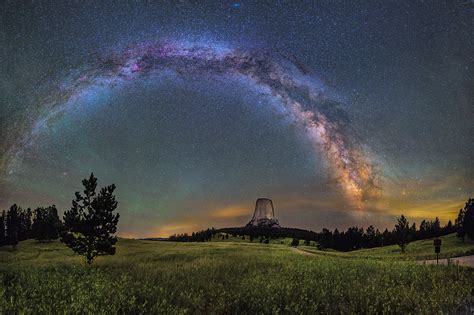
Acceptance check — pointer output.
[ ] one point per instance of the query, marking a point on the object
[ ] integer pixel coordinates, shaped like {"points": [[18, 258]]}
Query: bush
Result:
{"points": [[295, 242]]}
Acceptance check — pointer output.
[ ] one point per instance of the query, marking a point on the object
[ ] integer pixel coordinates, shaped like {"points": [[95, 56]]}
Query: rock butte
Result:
{"points": [[264, 214]]}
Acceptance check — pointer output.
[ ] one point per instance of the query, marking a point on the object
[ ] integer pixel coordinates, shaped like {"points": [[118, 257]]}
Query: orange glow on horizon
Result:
{"points": [[232, 212]]}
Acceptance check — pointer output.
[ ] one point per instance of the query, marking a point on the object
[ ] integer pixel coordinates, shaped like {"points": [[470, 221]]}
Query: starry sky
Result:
{"points": [[342, 112]]}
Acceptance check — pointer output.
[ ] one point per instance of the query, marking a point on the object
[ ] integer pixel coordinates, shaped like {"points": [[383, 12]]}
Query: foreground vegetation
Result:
{"points": [[221, 277]]}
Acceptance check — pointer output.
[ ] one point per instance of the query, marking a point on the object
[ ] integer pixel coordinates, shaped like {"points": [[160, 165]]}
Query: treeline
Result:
{"points": [[403, 233], [18, 224], [351, 239], [271, 233], [201, 236], [263, 233]]}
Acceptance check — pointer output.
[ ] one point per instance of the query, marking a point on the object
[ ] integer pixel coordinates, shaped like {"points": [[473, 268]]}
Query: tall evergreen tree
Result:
{"points": [[90, 223], [435, 228], [25, 224], [46, 224], [412, 235], [13, 225], [54, 223], [424, 229], [469, 218], [2, 229], [460, 228], [370, 237], [386, 238], [39, 224], [449, 227], [402, 232]]}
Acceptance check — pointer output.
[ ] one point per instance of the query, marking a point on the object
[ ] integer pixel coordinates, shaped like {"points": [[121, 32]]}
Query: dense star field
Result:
{"points": [[340, 113]]}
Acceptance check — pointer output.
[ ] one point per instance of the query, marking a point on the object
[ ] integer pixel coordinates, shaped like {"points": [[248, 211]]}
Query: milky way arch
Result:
{"points": [[299, 95]]}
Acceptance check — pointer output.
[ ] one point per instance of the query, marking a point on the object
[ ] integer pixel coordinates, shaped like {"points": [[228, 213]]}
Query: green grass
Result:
{"points": [[451, 246], [221, 277], [418, 250]]}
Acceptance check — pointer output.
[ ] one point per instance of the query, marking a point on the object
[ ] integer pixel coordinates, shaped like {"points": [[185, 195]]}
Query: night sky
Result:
{"points": [[343, 113]]}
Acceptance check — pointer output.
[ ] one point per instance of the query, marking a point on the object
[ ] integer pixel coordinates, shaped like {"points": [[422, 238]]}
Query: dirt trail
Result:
{"points": [[302, 251], [461, 261]]}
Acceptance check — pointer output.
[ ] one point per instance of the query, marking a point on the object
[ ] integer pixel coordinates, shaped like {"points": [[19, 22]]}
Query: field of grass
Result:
{"points": [[222, 277], [418, 250], [451, 246]]}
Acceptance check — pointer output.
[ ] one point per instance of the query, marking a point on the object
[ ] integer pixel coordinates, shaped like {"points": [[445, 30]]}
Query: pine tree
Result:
{"points": [[369, 236], [386, 238], [39, 224], [13, 225], [2, 229], [402, 232], [54, 224], [449, 227], [436, 228], [46, 224], [469, 218], [25, 224], [90, 223], [459, 223], [412, 232], [424, 229]]}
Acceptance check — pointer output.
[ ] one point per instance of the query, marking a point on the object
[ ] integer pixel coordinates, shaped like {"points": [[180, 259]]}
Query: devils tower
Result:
{"points": [[264, 214]]}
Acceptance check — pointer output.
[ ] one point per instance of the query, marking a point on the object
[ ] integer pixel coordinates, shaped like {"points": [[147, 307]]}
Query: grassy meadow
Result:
{"points": [[223, 277], [451, 246]]}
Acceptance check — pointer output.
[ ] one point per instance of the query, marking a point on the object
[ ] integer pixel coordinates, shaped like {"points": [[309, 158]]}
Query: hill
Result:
{"points": [[221, 277], [418, 250], [451, 246]]}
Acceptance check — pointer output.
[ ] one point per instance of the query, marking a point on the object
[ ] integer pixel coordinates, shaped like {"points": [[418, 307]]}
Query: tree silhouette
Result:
{"points": [[469, 218], [436, 227], [3, 240], [24, 232], [449, 227], [402, 232], [46, 224], [90, 223], [412, 234], [370, 237], [460, 228], [13, 225]]}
